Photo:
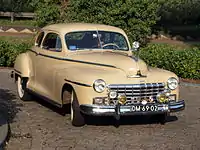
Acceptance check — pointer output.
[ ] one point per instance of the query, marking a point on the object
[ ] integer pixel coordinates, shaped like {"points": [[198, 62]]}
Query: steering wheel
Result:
{"points": [[110, 44]]}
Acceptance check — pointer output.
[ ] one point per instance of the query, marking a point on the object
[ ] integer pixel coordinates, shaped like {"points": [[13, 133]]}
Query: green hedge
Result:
{"points": [[185, 63], [10, 50]]}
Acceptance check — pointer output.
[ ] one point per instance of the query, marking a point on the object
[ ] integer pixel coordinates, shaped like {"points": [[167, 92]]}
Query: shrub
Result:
{"points": [[179, 12], [185, 63], [49, 11], [135, 17], [9, 52]]}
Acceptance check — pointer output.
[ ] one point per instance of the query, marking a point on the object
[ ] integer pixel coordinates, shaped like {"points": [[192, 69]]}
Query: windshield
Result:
{"points": [[95, 40]]}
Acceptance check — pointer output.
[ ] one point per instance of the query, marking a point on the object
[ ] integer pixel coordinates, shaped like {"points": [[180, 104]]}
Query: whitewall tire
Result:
{"points": [[22, 90], [77, 118]]}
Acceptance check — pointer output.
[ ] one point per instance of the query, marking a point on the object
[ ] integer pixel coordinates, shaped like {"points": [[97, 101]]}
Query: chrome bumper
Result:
{"points": [[177, 106], [96, 110]]}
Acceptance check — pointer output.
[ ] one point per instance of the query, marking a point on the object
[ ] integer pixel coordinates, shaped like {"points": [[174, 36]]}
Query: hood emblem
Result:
{"points": [[138, 75]]}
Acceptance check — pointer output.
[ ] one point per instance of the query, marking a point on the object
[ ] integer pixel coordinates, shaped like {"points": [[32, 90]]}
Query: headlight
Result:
{"points": [[99, 85], [172, 83]]}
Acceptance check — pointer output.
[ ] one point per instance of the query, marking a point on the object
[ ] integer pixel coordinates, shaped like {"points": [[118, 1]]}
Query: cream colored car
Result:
{"points": [[91, 67]]}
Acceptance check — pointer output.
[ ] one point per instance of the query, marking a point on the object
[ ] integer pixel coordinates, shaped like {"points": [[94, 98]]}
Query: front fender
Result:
{"points": [[22, 65], [88, 74], [81, 78], [161, 75]]}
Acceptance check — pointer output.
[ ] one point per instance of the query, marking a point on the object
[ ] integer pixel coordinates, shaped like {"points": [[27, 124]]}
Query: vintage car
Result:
{"points": [[91, 67]]}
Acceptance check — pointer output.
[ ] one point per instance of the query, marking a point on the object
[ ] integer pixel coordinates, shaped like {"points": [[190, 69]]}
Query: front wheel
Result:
{"points": [[22, 90], [77, 118]]}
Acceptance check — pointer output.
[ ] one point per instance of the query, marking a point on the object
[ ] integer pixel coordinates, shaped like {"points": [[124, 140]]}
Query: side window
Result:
{"points": [[120, 40], [52, 42], [39, 39]]}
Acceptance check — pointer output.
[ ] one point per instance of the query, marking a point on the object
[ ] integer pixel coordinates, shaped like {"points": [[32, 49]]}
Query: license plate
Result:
{"points": [[143, 108]]}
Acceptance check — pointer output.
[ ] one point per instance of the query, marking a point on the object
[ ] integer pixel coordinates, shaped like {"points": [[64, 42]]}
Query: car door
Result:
{"points": [[46, 62], [33, 59]]}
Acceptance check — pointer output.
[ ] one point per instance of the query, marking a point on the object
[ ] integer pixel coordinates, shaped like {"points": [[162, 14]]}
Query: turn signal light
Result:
{"points": [[162, 98], [122, 99]]}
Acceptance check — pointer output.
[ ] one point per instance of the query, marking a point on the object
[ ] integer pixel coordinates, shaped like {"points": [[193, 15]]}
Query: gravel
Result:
{"points": [[37, 125]]}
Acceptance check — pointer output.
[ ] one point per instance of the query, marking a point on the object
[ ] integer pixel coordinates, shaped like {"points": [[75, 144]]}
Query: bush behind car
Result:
{"points": [[185, 63], [10, 50]]}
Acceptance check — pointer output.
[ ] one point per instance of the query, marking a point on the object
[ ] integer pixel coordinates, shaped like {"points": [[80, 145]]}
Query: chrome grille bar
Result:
{"points": [[137, 92]]}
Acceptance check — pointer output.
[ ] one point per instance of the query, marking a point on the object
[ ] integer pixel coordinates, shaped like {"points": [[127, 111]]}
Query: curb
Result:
{"points": [[190, 84], [4, 130]]}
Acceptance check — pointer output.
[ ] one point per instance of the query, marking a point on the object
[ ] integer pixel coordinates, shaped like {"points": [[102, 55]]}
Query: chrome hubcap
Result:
{"points": [[20, 87], [72, 98]]}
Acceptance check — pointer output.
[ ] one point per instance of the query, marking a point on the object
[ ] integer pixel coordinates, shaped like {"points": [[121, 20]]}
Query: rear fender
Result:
{"points": [[23, 65]]}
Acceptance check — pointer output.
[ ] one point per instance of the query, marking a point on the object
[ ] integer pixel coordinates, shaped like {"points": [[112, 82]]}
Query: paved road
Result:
{"points": [[37, 125]]}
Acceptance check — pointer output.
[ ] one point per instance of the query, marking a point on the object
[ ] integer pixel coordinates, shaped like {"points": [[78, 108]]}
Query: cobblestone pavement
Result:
{"points": [[36, 125]]}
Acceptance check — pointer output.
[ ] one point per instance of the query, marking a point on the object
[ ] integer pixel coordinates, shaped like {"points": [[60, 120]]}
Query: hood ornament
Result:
{"points": [[135, 48], [138, 75]]}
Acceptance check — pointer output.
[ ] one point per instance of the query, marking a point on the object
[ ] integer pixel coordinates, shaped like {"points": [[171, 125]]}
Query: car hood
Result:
{"points": [[128, 64]]}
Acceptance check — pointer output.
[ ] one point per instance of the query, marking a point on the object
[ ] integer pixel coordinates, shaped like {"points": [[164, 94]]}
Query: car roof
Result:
{"points": [[71, 27]]}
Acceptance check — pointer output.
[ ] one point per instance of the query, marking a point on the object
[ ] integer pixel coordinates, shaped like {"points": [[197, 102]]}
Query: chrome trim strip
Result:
{"points": [[146, 85], [33, 51], [78, 61], [17, 71], [78, 83]]}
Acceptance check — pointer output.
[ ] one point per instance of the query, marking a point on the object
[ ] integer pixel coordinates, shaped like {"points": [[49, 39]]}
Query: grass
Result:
{"points": [[5, 21]]}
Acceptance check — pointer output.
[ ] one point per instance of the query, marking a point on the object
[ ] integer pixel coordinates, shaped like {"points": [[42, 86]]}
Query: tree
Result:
{"points": [[49, 11], [179, 12], [15, 6], [136, 17]]}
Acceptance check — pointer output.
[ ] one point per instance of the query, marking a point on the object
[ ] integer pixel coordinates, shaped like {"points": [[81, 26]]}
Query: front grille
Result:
{"points": [[135, 93]]}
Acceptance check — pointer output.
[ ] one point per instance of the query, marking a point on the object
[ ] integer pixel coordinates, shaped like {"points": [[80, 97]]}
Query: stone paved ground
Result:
{"points": [[36, 125]]}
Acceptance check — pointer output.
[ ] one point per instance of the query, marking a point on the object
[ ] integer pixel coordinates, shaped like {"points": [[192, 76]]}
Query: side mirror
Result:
{"points": [[135, 46]]}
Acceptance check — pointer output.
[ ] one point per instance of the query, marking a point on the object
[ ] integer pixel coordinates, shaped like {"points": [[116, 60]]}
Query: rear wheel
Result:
{"points": [[77, 118], [22, 90]]}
